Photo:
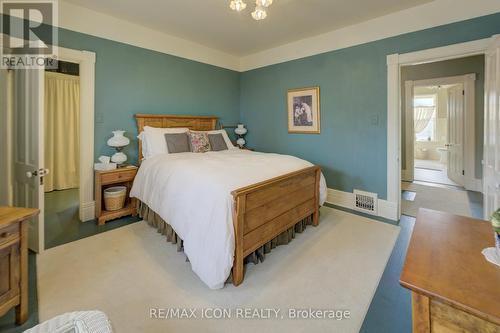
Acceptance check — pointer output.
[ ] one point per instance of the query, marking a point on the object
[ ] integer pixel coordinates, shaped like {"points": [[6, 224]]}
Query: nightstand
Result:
{"points": [[104, 179]]}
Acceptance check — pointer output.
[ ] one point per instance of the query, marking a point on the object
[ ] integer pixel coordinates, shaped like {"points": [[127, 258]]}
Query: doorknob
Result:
{"points": [[40, 172], [31, 174]]}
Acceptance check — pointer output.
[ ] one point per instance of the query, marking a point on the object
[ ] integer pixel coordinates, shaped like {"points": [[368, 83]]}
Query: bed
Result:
{"points": [[224, 207]]}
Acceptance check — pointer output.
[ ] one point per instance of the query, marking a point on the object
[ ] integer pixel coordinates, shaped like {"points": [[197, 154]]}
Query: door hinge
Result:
{"points": [[463, 92], [463, 172]]}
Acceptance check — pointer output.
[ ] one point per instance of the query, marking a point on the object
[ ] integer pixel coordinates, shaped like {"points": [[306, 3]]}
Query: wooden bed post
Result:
{"points": [[239, 214], [315, 221]]}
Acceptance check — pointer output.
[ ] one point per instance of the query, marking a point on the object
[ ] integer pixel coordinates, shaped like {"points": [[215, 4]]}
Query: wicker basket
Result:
{"points": [[114, 197]]}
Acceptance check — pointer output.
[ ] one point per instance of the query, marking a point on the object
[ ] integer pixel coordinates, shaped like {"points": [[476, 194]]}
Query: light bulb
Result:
{"points": [[264, 3], [259, 13], [237, 5]]}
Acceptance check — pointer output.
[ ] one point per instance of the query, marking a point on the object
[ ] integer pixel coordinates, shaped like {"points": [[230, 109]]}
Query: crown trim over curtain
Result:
{"points": [[62, 131]]}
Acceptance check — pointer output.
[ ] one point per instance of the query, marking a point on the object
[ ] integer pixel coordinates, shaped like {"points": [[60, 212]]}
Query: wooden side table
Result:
{"points": [[104, 179], [14, 260], [454, 288]]}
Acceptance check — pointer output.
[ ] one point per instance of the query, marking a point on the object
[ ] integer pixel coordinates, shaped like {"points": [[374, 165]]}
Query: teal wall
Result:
{"points": [[446, 68], [352, 146], [132, 80]]}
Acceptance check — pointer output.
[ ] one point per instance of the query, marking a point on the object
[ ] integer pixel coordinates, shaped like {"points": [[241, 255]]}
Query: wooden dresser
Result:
{"points": [[454, 288], [14, 260]]}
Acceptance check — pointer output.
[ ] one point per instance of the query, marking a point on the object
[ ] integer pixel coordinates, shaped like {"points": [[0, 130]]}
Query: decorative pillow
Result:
{"points": [[199, 142], [155, 139], [177, 143], [229, 144], [217, 142]]}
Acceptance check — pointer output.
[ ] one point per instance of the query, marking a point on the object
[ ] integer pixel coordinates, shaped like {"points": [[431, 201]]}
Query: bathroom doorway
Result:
{"points": [[438, 121], [440, 135]]}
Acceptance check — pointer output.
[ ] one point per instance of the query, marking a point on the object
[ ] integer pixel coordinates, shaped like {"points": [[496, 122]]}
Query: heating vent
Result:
{"points": [[365, 202]]}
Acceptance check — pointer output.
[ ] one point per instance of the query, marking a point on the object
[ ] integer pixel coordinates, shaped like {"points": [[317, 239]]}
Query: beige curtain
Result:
{"points": [[62, 131], [423, 115]]}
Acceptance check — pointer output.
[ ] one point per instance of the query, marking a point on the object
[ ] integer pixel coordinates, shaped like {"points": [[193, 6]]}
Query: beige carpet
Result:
{"points": [[127, 271], [437, 198]]}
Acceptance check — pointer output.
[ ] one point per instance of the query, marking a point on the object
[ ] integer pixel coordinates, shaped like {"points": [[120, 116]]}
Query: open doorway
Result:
{"points": [[439, 129], [49, 155], [441, 145], [61, 150]]}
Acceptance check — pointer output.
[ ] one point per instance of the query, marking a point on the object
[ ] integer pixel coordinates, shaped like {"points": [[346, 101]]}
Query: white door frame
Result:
{"points": [[468, 83], [6, 125], [86, 62], [394, 64]]}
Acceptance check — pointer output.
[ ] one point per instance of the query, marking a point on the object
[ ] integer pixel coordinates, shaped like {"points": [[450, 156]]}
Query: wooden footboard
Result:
{"points": [[265, 210]]}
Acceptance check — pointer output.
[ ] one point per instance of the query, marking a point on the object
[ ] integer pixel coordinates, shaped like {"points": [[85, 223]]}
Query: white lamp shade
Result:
{"points": [[237, 5], [259, 13], [118, 139], [240, 142], [119, 158], [240, 130], [264, 3]]}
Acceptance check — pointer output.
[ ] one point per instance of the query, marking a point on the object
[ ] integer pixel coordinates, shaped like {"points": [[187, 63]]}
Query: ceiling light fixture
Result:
{"points": [[264, 3], [239, 5], [260, 8], [259, 13]]}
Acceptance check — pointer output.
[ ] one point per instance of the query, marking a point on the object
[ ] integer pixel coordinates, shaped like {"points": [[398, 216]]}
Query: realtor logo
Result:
{"points": [[29, 33]]}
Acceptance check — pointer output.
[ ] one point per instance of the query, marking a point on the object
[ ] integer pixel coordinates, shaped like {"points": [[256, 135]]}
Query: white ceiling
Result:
{"points": [[212, 23]]}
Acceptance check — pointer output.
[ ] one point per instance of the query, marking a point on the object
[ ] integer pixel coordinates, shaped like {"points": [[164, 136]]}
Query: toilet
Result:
{"points": [[443, 154]]}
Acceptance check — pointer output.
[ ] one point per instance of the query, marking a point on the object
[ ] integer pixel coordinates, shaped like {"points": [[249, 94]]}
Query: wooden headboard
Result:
{"points": [[195, 123]]}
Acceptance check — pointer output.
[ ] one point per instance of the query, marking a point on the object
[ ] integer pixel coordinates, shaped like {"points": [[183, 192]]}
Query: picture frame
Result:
{"points": [[303, 108]]}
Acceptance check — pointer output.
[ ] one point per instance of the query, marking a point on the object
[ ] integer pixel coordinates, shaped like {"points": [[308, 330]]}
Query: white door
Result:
{"points": [[456, 128], [491, 152], [28, 149]]}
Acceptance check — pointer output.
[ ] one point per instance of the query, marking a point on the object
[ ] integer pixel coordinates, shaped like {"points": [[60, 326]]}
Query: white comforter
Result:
{"points": [[192, 192]]}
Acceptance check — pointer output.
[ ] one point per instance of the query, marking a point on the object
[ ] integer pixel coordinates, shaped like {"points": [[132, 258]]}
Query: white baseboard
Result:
{"points": [[386, 209], [478, 185], [340, 198], [87, 211]]}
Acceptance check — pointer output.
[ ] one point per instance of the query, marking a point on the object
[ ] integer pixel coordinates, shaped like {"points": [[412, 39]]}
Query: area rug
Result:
{"points": [[437, 198], [139, 280]]}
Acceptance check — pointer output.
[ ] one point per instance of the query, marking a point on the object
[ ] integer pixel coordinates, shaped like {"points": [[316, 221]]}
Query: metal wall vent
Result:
{"points": [[365, 202]]}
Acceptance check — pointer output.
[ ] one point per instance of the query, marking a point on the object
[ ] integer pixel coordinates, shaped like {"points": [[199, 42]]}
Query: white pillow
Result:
{"points": [[224, 135], [153, 139], [144, 144]]}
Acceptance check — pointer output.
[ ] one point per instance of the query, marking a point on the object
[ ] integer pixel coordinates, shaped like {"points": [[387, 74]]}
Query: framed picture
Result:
{"points": [[303, 110]]}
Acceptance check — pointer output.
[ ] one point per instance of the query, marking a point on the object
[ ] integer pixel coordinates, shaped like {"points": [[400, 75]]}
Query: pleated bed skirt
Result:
{"points": [[255, 257]]}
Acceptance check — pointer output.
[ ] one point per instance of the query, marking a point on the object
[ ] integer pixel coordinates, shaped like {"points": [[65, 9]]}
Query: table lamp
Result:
{"points": [[118, 141]]}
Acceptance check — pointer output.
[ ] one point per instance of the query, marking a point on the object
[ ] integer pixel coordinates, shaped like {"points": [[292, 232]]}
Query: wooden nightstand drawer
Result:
{"points": [[9, 233], [120, 176]]}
